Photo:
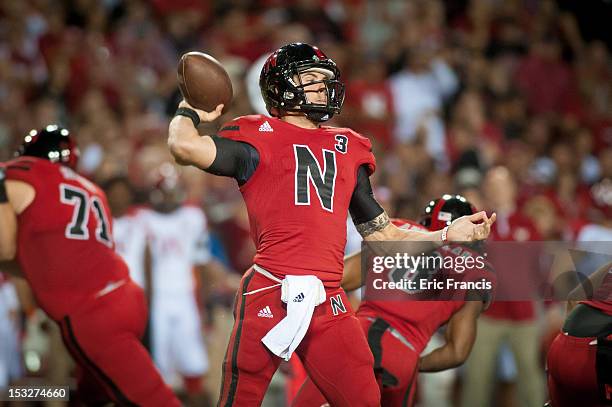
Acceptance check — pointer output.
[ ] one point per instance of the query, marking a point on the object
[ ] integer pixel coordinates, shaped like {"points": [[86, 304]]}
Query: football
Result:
{"points": [[204, 82]]}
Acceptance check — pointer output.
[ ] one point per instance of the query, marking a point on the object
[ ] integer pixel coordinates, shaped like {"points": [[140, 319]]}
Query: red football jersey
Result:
{"points": [[65, 247], [299, 195], [416, 320]]}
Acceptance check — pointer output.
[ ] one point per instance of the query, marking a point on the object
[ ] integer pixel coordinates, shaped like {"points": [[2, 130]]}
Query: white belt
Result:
{"points": [[265, 273]]}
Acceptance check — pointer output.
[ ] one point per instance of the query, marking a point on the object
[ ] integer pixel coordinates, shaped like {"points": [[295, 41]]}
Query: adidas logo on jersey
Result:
{"points": [[266, 127], [265, 312], [299, 297]]}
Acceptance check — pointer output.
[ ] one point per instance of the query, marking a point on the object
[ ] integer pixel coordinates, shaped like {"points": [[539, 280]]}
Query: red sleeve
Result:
{"points": [[365, 154], [242, 129], [22, 169]]}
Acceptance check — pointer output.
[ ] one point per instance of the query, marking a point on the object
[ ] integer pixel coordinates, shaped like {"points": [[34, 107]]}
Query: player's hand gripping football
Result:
{"points": [[472, 227], [205, 117]]}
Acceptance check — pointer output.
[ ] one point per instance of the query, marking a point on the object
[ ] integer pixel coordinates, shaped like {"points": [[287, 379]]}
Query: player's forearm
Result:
{"points": [[446, 357], [382, 230], [186, 145], [396, 234], [351, 278], [8, 232], [8, 220], [180, 134]]}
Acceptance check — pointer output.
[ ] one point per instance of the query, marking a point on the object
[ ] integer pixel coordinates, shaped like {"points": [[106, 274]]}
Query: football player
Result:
{"points": [[299, 179], [177, 237], [398, 330], [579, 362], [56, 224]]}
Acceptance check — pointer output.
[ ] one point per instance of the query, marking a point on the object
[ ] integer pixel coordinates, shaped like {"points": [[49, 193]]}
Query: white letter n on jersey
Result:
{"points": [[337, 305], [307, 170]]}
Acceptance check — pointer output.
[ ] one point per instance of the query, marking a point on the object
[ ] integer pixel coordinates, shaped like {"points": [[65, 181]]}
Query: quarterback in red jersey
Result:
{"points": [[398, 331], [299, 179], [579, 362], [56, 224]]}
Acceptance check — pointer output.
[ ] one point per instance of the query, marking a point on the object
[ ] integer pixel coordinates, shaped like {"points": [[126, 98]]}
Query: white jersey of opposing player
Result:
{"points": [[178, 241], [130, 237], [10, 365]]}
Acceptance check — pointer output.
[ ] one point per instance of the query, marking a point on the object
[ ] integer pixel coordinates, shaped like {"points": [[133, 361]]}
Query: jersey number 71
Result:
{"points": [[83, 204]]}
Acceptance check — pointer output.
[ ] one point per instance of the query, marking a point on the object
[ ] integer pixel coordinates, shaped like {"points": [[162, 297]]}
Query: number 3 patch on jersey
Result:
{"points": [[341, 143]]}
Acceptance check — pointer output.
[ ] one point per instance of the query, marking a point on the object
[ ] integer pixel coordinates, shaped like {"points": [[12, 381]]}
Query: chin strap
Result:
{"points": [[318, 116]]}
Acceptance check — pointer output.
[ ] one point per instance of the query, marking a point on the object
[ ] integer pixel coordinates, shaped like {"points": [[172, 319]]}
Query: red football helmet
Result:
{"points": [[167, 189], [440, 212]]}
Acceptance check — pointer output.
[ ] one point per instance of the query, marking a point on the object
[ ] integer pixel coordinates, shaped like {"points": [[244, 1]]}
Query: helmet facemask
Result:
{"points": [[317, 112]]}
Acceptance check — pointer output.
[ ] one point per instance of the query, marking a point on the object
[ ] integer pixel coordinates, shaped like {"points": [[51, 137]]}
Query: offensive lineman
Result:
{"points": [[585, 378], [56, 224]]}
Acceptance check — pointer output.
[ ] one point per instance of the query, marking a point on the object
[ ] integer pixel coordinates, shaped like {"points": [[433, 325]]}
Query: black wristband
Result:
{"points": [[3, 195], [187, 112]]}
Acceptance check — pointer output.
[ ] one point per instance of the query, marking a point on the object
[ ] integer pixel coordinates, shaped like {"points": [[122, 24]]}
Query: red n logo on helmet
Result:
{"points": [[272, 59], [319, 53]]}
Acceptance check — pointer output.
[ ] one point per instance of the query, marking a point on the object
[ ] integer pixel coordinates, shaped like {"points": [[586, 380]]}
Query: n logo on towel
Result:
{"points": [[337, 305]]}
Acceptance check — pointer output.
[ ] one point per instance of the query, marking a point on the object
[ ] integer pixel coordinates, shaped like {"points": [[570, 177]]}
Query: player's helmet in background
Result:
{"points": [[52, 143], [168, 190], [440, 212], [282, 93]]}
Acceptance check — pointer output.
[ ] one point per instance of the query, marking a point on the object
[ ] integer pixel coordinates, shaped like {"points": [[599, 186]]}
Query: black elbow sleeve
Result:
{"points": [[234, 159], [363, 206]]}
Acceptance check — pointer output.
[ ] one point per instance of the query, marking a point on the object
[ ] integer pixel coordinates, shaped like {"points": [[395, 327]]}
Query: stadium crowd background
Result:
{"points": [[446, 90]]}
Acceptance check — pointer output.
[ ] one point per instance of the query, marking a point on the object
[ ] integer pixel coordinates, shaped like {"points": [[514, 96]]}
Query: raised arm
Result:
{"points": [[213, 154], [184, 141], [460, 337]]}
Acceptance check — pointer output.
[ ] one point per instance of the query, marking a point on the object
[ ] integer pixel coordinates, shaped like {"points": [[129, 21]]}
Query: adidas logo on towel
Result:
{"points": [[265, 312], [299, 297], [266, 127]]}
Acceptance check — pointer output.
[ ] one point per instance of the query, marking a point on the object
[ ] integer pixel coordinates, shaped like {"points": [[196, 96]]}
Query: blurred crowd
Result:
{"points": [[450, 93], [445, 90]]}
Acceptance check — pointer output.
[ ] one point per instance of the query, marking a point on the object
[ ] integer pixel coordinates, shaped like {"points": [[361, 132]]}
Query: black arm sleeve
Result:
{"points": [[234, 159], [363, 206]]}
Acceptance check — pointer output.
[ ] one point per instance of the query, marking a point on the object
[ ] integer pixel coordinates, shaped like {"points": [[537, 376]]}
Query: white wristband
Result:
{"points": [[445, 234]]}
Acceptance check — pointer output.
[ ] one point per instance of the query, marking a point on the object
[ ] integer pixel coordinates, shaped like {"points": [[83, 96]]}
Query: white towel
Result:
{"points": [[301, 294]]}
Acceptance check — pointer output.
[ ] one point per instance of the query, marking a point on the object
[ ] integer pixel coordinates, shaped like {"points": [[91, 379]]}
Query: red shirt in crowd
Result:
{"points": [[512, 228]]}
